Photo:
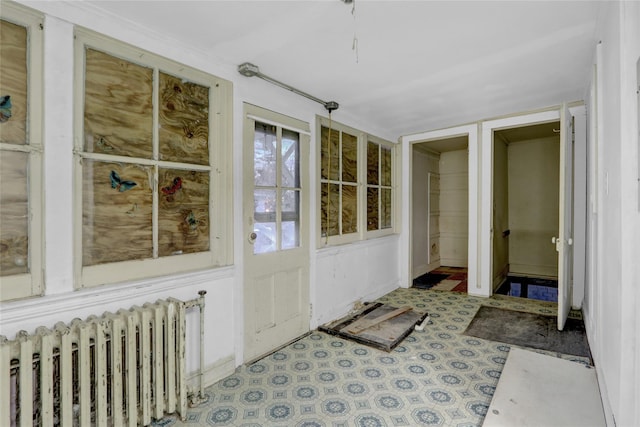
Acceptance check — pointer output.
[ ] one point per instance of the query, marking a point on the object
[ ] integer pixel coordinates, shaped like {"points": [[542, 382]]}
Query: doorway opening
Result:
{"points": [[526, 187], [440, 214]]}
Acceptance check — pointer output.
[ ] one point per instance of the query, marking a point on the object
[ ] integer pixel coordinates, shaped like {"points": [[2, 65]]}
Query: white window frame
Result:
{"points": [[31, 283], [220, 171], [362, 139], [380, 232]]}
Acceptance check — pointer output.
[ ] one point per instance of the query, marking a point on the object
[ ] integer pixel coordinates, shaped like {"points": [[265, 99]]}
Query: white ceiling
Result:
{"points": [[420, 65]]}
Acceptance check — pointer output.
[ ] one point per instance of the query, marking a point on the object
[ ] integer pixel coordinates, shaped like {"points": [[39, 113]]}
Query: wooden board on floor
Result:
{"points": [[539, 390], [384, 335]]}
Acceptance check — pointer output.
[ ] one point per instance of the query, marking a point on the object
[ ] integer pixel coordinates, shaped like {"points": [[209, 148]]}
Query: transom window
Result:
{"points": [[152, 164], [20, 153]]}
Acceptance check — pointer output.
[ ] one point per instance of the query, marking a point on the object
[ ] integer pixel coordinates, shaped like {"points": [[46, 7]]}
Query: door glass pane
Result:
{"points": [[290, 159], [385, 166], [118, 106], [183, 213], [372, 163], [372, 208], [117, 211], [265, 155], [349, 158], [264, 202], [385, 208], [184, 121], [266, 237], [13, 84], [14, 213], [330, 154], [349, 209], [330, 201], [290, 219]]}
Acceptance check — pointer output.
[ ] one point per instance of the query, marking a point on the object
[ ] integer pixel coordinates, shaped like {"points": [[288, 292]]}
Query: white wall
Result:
{"points": [[534, 177], [425, 229], [500, 264], [335, 283], [454, 208], [613, 291]]}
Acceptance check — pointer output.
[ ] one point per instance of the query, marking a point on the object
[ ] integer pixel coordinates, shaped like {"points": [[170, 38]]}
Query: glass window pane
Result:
{"points": [[183, 212], [385, 208], [118, 106], [349, 209], [385, 167], [372, 208], [290, 219], [265, 155], [372, 163], [183, 121], [117, 211], [264, 205], [13, 83], [266, 237], [330, 201], [14, 213], [290, 234], [330, 154], [290, 159], [349, 158]]}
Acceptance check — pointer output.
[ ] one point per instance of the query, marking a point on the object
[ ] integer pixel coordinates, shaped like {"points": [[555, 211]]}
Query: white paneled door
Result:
{"points": [[276, 228], [564, 241]]}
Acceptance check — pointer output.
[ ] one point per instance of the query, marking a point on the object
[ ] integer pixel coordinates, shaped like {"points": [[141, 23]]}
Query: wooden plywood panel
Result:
{"points": [[183, 121], [330, 201], [349, 209], [349, 158], [14, 213], [13, 83], [330, 153], [373, 155], [118, 110], [183, 214], [372, 208], [117, 208]]}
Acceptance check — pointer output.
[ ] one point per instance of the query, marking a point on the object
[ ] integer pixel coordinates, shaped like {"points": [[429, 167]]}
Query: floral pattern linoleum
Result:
{"points": [[435, 377]]}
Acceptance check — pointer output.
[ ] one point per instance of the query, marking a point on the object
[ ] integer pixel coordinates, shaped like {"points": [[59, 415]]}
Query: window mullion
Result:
{"points": [[156, 151], [278, 188]]}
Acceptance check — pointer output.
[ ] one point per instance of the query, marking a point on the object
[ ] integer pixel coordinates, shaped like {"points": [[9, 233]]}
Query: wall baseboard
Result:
{"points": [[213, 373]]}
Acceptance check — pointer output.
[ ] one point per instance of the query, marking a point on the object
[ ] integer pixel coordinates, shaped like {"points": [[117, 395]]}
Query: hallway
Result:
{"points": [[435, 377]]}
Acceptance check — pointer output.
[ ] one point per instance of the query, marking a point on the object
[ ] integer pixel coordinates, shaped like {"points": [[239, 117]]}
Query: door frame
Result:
{"points": [[486, 182], [471, 132]]}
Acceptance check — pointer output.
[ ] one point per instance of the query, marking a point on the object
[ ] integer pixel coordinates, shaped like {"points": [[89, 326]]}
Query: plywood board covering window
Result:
{"points": [[154, 131], [356, 184], [20, 153]]}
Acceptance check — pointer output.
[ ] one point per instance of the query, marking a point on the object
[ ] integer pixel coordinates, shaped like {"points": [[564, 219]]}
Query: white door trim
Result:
{"points": [[471, 131], [486, 184]]}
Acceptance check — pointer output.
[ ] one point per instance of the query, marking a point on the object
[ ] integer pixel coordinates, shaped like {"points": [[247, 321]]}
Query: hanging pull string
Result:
{"points": [[354, 45]]}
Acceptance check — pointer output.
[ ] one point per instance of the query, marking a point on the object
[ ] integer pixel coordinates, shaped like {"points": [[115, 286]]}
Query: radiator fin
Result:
{"points": [[123, 369]]}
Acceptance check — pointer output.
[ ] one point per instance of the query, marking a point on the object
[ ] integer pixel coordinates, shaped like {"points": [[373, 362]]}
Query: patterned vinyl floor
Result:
{"points": [[434, 377]]}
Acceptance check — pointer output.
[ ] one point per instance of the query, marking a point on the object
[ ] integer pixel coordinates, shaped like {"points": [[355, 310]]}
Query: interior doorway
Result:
{"points": [[525, 217], [440, 213]]}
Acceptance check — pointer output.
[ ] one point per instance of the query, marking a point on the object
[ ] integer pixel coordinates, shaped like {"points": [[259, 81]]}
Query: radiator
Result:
{"points": [[121, 369]]}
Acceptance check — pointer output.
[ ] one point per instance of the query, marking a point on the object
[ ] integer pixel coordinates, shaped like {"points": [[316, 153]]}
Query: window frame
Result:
{"points": [[362, 139], [380, 232], [220, 201], [30, 284]]}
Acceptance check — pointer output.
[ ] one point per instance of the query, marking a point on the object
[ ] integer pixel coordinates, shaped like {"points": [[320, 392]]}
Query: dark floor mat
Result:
{"points": [[428, 280], [529, 330]]}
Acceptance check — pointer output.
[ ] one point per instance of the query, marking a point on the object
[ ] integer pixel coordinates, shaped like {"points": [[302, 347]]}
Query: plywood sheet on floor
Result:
{"points": [[539, 390]]}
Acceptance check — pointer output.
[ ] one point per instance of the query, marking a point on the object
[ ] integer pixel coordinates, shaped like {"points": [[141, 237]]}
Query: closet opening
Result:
{"points": [[440, 214], [526, 185]]}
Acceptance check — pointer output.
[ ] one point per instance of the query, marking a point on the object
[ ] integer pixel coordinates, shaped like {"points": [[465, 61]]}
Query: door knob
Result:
{"points": [[252, 237]]}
